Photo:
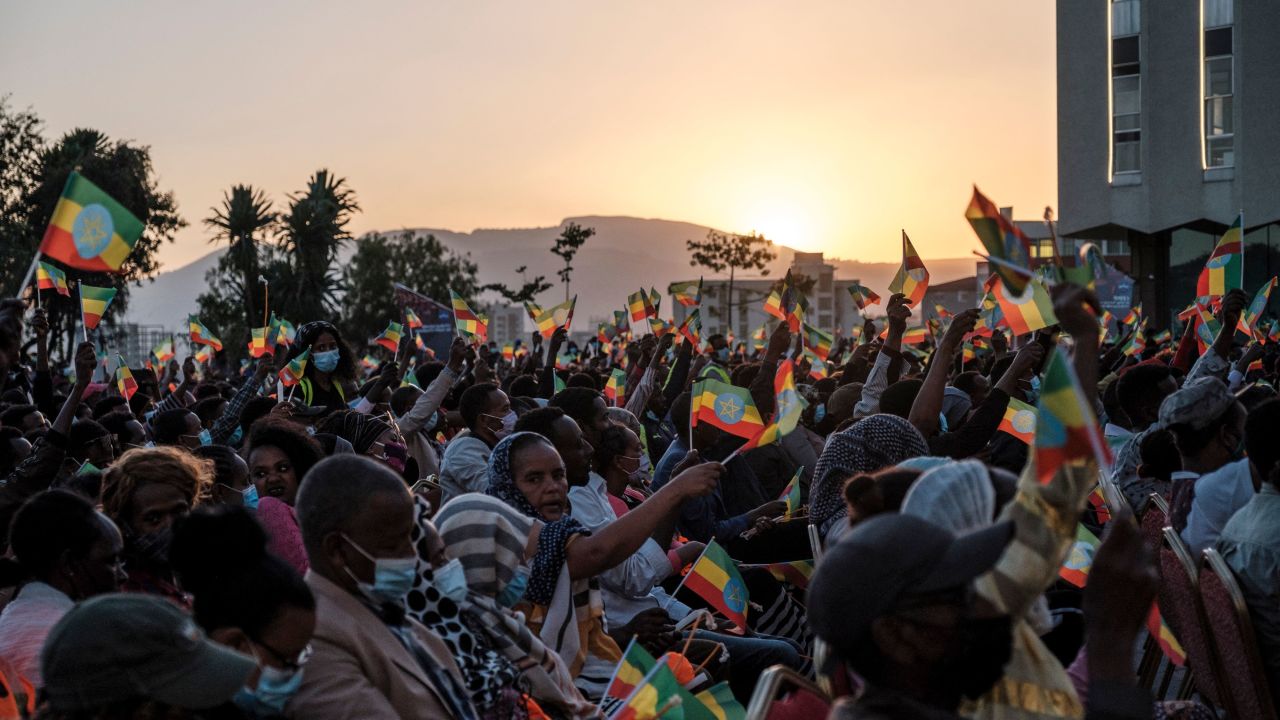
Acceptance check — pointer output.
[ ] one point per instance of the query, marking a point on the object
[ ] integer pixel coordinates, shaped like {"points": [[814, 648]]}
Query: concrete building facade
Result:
{"points": [[1167, 128]]}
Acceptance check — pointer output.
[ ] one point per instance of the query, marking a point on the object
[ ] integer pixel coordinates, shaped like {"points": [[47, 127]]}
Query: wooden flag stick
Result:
{"points": [[696, 622]]}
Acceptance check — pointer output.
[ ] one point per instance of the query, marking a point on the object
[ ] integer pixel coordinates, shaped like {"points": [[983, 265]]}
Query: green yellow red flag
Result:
{"points": [[89, 229], [912, 278], [727, 407], [715, 578], [93, 304], [49, 277]]}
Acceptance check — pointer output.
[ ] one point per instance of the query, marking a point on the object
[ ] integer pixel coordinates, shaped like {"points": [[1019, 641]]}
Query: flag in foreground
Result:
{"points": [[1003, 241], [49, 277], [714, 577], [657, 696], [727, 407], [1019, 421], [93, 304], [89, 230], [1066, 428], [788, 406], [1224, 270], [636, 662], [912, 279]]}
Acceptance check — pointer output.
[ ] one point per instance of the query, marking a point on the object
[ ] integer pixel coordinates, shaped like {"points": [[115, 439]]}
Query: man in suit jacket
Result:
{"points": [[369, 661]]}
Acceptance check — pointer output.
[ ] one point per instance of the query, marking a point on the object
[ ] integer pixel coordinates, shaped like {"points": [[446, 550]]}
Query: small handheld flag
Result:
{"points": [[715, 578], [390, 338], [1002, 240], [49, 277], [467, 322], [635, 664], [691, 328], [912, 278], [725, 406], [1224, 270], [1029, 312], [93, 304], [1019, 421], [201, 335], [687, 293], [791, 495], [292, 373], [554, 318], [616, 388], [412, 318], [124, 379], [89, 229], [1066, 428], [258, 342], [862, 297]]}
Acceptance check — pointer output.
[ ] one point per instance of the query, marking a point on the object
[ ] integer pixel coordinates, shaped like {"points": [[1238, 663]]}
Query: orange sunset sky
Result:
{"points": [[825, 125]]}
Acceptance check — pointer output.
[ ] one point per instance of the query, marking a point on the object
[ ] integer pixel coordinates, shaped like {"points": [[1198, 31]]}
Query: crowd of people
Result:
{"points": [[489, 539]]}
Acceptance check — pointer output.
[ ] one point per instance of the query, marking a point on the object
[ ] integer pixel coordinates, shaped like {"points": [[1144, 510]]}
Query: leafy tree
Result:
{"points": [[244, 213], [571, 239], [123, 170], [420, 262], [732, 252], [313, 231], [529, 289]]}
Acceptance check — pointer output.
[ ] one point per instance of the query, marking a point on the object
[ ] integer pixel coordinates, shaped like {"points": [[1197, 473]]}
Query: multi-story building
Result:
{"points": [[1166, 131], [830, 305]]}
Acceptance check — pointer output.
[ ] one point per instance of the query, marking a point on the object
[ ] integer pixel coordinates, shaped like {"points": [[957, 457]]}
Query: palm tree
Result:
{"points": [[245, 211], [313, 230]]}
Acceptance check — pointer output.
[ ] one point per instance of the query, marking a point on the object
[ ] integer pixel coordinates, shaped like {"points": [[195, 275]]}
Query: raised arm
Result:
{"points": [[593, 554], [928, 403]]}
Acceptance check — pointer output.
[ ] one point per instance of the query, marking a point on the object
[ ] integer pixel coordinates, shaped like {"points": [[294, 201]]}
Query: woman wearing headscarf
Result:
{"points": [[562, 597], [369, 435], [463, 600], [870, 444]]}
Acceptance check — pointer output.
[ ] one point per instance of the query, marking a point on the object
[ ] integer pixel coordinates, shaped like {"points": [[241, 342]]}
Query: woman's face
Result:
{"points": [[100, 571], [325, 342], [229, 489], [272, 472], [540, 477], [155, 507]]}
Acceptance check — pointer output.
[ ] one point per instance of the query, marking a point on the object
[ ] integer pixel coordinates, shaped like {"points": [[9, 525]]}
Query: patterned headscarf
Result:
{"points": [[359, 429], [872, 443], [957, 496], [553, 543]]}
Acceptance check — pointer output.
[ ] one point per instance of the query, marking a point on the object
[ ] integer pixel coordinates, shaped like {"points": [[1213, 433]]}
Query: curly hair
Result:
{"points": [[173, 466], [302, 449]]}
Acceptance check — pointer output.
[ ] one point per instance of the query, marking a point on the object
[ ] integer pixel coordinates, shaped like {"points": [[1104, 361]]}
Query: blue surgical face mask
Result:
{"points": [[393, 578], [274, 689], [236, 436], [206, 437], [514, 591], [1034, 394], [250, 495], [819, 412], [722, 354], [451, 580], [431, 421], [326, 361]]}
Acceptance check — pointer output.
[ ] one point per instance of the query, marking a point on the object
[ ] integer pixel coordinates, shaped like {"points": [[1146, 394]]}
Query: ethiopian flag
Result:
{"points": [[412, 318], [258, 342], [1075, 569], [788, 405], [1225, 268], [1002, 240], [657, 696], [89, 230], [727, 407], [862, 297], [720, 703], [714, 577], [912, 279], [817, 368], [467, 322], [795, 572], [691, 328], [1019, 421], [1249, 318], [1029, 312], [93, 304], [640, 306], [1164, 637], [791, 495], [818, 341], [124, 379], [687, 293], [554, 318], [292, 373], [1137, 343], [390, 338], [1066, 429], [532, 310], [616, 389], [201, 335], [635, 664], [49, 277]]}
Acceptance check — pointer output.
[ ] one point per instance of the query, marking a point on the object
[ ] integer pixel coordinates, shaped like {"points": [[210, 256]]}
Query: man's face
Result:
{"points": [[981, 387], [574, 448], [100, 451], [491, 418], [34, 421], [598, 422], [384, 529]]}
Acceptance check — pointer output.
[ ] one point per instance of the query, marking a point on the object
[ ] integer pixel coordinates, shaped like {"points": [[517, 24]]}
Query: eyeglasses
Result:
{"points": [[292, 665]]}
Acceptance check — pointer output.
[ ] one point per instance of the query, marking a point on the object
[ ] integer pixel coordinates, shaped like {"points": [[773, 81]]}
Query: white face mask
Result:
{"points": [[508, 424]]}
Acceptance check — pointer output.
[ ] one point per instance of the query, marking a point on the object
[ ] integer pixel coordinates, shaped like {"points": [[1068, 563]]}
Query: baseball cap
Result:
{"points": [[1197, 404], [887, 559], [117, 647]]}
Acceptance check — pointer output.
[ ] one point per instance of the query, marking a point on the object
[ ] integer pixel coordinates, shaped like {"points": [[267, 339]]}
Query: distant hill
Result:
{"points": [[625, 254]]}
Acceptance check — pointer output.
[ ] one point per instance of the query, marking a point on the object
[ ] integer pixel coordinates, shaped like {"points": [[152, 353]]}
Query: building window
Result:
{"points": [[1126, 86], [1219, 84]]}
